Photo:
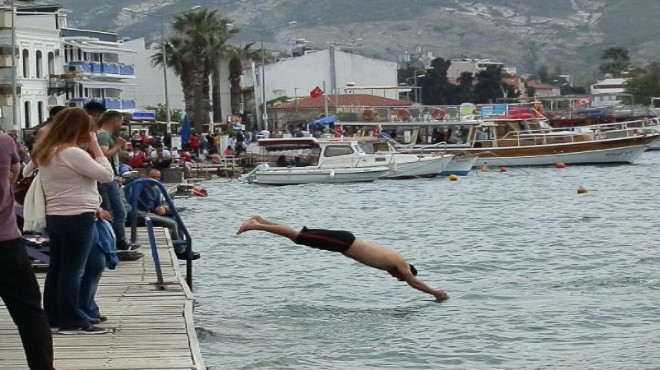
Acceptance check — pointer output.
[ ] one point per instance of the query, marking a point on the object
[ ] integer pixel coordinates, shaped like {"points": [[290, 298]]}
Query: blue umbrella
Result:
{"points": [[185, 130]]}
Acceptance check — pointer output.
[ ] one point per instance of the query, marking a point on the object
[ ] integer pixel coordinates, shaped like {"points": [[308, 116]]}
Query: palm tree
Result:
{"points": [[195, 50], [237, 55]]}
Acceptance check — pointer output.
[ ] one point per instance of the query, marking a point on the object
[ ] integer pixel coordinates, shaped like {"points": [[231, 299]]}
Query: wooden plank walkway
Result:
{"points": [[151, 328]]}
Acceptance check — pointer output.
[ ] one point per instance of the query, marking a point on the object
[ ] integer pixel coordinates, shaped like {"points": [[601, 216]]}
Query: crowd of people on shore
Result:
{"points": [[76, 159]]}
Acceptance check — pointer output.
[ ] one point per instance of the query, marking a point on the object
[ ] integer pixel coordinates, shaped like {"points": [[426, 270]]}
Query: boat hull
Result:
{"points": [[623, 150], [423, 167], [460, 166], [303, 175]]}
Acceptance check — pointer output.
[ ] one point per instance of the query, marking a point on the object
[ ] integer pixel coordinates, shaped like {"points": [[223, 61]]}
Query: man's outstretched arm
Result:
{"points": [[422, 287]]}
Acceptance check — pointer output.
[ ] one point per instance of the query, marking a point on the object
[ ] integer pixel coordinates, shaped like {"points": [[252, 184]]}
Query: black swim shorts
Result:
{"points": [[328, 240]]}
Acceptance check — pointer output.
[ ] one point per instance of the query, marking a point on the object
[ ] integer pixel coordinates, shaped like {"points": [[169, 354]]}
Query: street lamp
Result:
{"points": [[164, 49], [415, 86], [264, 118]]}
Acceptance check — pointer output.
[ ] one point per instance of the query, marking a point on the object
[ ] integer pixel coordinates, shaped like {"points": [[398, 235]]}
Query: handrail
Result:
{"points": [[154, 252], [137, 187]]}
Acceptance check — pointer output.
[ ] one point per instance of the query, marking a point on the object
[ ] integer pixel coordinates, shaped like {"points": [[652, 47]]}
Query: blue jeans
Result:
{"points": [[71, 240], [91, 277], [111, 195]]}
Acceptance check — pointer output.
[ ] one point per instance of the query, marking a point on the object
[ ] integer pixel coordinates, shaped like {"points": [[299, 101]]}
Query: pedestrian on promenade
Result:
{"points": [[19, 289], [344, 242], [109, 125], [69, 176]]}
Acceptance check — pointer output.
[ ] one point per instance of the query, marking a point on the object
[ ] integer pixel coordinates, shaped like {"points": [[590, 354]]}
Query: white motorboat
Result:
{"points": [[267, 175], [346, 153]]}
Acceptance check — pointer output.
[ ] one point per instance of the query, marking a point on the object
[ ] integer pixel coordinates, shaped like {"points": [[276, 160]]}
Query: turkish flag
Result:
{"points": [[316, 92]]}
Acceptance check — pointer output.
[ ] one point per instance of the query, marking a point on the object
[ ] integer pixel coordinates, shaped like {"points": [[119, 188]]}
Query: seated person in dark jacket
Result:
{"points": [[151, 203]]}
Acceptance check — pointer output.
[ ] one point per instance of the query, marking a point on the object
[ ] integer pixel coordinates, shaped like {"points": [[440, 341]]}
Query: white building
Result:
{"points": [[38, 56], [296, 77], [94, 58], [474, 66], [609, 91]]}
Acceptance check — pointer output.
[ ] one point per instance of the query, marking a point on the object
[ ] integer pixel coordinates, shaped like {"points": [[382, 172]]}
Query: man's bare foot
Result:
{"points": [[249, 224]]}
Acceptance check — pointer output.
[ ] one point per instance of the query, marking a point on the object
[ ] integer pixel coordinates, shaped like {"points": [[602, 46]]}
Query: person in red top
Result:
{"points": [[194, 142], [139, 157], [228, 152]]}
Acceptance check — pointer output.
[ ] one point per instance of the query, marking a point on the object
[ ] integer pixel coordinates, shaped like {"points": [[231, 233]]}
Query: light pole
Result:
{"points": [[14, 72], [163, 47], [415, 86], [264, 118], [418, 96]]}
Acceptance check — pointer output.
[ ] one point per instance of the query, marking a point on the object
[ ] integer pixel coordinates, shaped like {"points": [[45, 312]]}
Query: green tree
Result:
{"points": [[435, 87], [615, 61], [175, 114], [195, 51], [465, 93], [645, 85], [489, 85]]}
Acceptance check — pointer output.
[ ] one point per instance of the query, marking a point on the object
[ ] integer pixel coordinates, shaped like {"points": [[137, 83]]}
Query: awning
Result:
{"points": [[92, 84], [90, 46]]}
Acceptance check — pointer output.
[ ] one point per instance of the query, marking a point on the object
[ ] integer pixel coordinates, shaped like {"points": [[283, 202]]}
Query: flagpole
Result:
{"points": [[325, 100]]}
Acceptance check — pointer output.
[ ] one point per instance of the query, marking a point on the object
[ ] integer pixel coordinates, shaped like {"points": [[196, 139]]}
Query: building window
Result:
{"points": [[40, 64], [28, 124], [51, 63], [40, 112], [26, 63]]}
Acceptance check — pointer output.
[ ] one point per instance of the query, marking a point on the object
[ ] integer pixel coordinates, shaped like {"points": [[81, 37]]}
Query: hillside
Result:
{"points": [[524, 33]]}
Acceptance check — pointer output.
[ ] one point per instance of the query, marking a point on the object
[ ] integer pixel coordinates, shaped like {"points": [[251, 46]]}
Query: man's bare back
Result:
{"points": [[369, 254]]}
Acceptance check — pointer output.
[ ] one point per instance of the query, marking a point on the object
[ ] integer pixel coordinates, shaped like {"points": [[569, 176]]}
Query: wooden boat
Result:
{"points": [[513, 135]]}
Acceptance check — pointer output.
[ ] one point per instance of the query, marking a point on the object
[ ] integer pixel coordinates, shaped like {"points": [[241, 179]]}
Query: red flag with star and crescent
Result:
{"points": [[316, 92]]}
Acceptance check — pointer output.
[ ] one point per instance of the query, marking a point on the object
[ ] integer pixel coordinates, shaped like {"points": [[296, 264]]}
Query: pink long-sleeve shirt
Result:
{"points": [[70, 179]]}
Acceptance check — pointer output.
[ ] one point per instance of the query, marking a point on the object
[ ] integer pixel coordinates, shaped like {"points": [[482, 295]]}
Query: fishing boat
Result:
{"points": [[510, 135]]}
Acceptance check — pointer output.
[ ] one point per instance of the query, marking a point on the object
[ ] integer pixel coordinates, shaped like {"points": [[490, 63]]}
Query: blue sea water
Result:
{"points": [[538, 276]]}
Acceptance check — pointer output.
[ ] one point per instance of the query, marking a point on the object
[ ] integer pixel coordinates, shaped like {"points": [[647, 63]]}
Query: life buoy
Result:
{"points": [[199, 192], [438, 114], [216, 159], [583, 102], [539, 109], [369, 115], [403, 115], [375, 132]]}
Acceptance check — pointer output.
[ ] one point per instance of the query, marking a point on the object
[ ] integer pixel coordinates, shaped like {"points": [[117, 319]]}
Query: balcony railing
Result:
{"points": [[81, 66], [128, 104], [110, 68], [126, 70], [110, 103]]}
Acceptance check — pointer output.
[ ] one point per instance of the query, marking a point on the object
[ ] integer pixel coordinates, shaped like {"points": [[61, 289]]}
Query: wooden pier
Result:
{"points": [[151, 328]]}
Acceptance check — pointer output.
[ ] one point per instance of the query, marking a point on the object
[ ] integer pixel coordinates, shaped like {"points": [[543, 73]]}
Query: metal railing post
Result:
{"points": [[154, 252]]}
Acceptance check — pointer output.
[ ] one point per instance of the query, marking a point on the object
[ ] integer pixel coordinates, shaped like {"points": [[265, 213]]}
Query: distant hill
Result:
{"points": [[522, 33]]}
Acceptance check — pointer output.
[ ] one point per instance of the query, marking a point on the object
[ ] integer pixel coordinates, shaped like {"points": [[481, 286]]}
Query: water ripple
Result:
{"points": [[539, 277]]}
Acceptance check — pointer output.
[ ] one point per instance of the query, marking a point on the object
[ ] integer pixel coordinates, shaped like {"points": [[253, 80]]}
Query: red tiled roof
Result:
{"points": [[346, 100], [539, 86]]}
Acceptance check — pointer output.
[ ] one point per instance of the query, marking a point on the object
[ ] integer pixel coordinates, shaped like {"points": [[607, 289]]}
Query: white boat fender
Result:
{"points": [[332, 174]]}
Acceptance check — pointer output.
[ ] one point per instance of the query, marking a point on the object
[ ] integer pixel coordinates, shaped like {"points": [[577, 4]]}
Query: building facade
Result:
{"points": [[38, 55], [93, 59], [296, 77]]}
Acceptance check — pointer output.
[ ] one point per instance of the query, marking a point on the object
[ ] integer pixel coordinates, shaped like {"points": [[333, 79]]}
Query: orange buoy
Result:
{"points": [[452, 178], [560, 165], [199, 192], [484, 168], [582, 190], [503, 169]]}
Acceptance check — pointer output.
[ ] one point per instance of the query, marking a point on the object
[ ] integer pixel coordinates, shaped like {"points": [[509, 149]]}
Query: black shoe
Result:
{"points": [[129, 255], [123, 245], [97, 320], [184, 256], [86, 330]]}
